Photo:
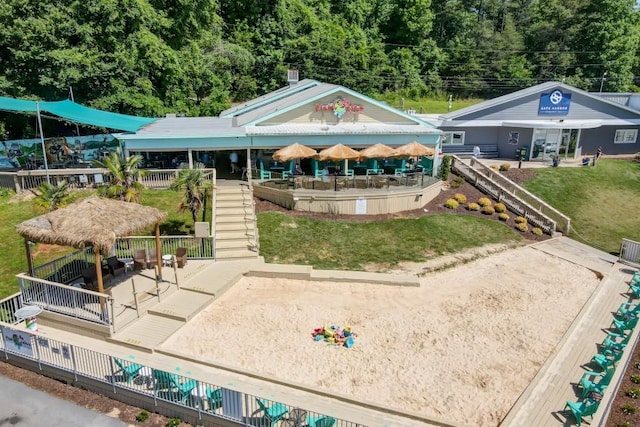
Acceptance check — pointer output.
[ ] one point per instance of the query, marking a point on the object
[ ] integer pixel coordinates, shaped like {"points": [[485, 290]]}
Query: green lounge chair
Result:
{"points": [[214, 396], [129, 369], [624, 324], [321, 421], [613, 342], [273, 411], [634, 289], [582, 409], [183, 387], [607, 359], [595, 382], [628, 310]]}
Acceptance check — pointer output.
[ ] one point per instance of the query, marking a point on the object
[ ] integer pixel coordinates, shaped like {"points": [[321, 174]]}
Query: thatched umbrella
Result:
{"points": [[378, 151], [93, 221], [294, 151], [414, 149], [338, 152]]}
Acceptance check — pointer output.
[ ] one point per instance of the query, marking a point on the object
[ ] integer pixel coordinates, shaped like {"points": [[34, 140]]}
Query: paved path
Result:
{"points": [[24, 406]]}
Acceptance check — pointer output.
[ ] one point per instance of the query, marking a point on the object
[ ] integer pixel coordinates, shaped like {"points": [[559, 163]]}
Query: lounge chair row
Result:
{"points": [[141, 261], [594, 383]]}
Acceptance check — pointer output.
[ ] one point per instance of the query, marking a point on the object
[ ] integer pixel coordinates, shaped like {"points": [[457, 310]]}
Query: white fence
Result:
{"points": [[630, 252], [191, 399]]}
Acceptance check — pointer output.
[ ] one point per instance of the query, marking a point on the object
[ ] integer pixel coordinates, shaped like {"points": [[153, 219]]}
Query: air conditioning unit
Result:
{"points": [[292, 77]]}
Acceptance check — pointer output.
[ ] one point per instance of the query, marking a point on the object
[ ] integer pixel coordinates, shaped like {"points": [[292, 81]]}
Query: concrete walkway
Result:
{"points": [[24, 406]]}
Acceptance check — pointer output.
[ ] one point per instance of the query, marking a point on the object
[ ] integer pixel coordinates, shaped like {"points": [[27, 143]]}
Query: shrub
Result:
{"points": [[628, 409], [174, 422], [494, 167], [635, 379], [457, 182], [637, 157], [633, 392], [142, 416], [484, 201], [522, 226], [488, 210], [537, 231], [451, 204], [473, 207], [445, 168], [503, 217], [625, 424], [500, 207], [460, 198], [520, 220], [505, 167]]}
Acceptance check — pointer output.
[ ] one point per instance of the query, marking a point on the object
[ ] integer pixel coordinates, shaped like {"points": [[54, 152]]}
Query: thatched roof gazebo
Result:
{"points": [[94, 221], [294, 151], [378, 151]]}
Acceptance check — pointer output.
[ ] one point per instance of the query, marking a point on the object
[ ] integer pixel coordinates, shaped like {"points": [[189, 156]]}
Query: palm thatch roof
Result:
{"points": [[338, 152], [294, 151], [93, 221], [414, 149], [378, 151]]}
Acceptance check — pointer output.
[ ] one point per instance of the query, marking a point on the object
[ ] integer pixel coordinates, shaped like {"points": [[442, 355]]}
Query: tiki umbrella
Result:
{"points": [[414, 149], [294, 151], [94, 221], [338, 152]]}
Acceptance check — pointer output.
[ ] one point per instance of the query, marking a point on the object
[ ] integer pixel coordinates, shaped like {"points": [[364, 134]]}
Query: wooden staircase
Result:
{"points": [[236, 231]]}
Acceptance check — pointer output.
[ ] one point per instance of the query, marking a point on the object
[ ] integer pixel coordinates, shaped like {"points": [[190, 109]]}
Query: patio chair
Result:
{"points": [[625, 324], [181, 257], [183, 387], [162, 383], [607, 359], [116, 267], [586, 408], [272, 411], [628, 309], [140, 259], [129, 369], [321, 421], [214, 396], [153, 258], [611, 342], [595, 382]]}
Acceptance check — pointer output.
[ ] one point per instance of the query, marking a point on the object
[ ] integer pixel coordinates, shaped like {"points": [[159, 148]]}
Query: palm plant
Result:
{"points": [[195, 183], [50, 197], [124, 183]]}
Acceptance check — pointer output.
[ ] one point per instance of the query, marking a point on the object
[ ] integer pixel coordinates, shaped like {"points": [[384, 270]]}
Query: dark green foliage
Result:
{"points": [[142, 416], [445, 167]]}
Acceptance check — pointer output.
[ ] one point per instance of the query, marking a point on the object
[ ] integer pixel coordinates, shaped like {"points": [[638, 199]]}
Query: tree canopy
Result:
{"points": [[197, 57]]}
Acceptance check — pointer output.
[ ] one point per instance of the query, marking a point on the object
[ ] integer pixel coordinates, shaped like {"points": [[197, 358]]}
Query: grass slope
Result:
{"points": [[603, 202]]}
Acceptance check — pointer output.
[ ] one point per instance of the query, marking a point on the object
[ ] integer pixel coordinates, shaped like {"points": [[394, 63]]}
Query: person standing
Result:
{"points": [[597, 156], [476, 151], [233, 157]]}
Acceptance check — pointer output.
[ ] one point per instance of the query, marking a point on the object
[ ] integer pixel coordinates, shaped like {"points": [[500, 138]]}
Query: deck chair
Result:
{"points": [[607, 359], [162, 383], [214, 396], [613, 342], [628, 309], [183, 387], [181, 257], [272, 411], [140, 259], [634, 289], [595, 382], [116, 267], [129, 369], [624, 324], [582, 409], [321, 421], [153, 258]]}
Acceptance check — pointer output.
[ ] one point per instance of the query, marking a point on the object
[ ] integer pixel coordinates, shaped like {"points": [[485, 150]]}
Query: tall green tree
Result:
{"points": [[195, 183], [124, 177]]}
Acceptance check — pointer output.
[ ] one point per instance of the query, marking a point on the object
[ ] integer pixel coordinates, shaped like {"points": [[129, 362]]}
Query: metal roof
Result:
{"points": [[341, 129], [188, 127], [527, 92]]}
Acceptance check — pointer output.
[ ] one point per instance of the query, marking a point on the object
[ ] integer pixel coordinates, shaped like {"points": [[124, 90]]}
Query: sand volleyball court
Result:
{"points": [[461, 347]]}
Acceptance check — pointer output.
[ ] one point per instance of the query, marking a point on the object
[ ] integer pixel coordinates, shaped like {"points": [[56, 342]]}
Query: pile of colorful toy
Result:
{"points": [[335, 335]]}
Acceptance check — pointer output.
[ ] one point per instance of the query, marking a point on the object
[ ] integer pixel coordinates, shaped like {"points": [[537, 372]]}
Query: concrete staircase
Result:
{"points": [[235, 223]]}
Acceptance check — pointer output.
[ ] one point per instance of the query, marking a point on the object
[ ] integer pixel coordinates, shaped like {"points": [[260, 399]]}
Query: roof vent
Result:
{"points": [[170, 116], [292, 77]]}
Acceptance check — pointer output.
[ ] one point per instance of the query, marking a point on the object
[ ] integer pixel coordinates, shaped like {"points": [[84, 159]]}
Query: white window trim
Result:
{"points": [[625, 134], [449, 135]]}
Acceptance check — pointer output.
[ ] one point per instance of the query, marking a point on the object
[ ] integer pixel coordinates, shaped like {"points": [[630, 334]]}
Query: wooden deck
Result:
{"points": [[543, 402]]}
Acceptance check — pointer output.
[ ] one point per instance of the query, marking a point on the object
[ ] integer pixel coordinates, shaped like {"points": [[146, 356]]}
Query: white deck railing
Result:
{"points": [[630, 252]]}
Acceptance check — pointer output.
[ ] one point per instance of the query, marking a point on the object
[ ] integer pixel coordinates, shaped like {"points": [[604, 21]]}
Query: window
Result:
{"points": [[626, 136], [453, 138]]}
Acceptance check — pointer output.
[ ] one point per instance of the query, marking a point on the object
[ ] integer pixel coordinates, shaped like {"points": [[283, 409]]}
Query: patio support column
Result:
{"points": [[27, 246], [99, 277], [158, 250], [190, 157]]}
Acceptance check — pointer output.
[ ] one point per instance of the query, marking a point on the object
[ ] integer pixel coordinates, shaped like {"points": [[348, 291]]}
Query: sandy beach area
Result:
{"points": [[461, 347]]}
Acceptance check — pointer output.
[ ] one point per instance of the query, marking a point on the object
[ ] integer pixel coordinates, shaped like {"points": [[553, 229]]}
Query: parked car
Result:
{"points": [[546, 146]]}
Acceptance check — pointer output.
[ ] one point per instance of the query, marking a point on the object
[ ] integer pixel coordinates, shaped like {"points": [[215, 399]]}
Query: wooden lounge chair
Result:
{"points": [[181, 257], [140, 259]]}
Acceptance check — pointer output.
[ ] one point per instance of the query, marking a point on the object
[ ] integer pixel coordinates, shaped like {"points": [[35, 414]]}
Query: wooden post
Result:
{"points": [[175, 271], [135, 297], [99, 278], [27, 246], [158, 250]]}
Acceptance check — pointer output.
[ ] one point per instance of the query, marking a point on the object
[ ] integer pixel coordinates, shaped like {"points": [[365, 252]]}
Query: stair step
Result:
{"points": [[234, 244], [236, 210], [232, 204], [147, 333], [182, 305], [234, 226], [234, 235], [236, 254]]}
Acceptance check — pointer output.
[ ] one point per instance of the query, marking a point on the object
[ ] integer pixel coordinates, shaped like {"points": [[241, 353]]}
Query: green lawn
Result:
{"points": [[603, 202]]}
